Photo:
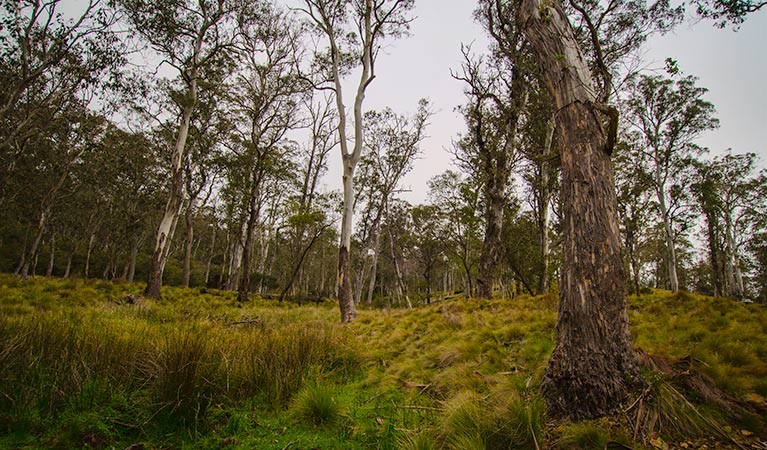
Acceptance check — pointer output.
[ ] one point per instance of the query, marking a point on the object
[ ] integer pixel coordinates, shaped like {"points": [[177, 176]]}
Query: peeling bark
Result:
{"points": [[593, 365]]}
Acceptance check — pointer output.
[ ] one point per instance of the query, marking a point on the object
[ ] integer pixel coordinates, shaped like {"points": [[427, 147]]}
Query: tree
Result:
{"points": [[372, 21], [192, 37], [47, 63], [267, 100], [593, 364], [670, 116], [732, 200], [727, 12], [634, 203], [391, 146], [427, 242], [497, 93], [458, 199]]}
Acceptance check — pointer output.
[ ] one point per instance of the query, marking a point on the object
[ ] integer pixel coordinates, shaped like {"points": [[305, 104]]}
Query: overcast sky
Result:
{"points": [[732, 65]]}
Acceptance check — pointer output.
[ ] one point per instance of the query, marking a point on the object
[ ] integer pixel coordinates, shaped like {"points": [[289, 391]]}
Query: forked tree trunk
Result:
{"points": [[593, 365]]}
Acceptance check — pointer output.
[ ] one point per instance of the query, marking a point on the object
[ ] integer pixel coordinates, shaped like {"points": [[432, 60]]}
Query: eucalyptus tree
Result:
{"points": [[392, 143], [540, 172], [670, 115], [459, 200], [267, 99], [355, 31], [209, 128], [635, 203], [78, 133], [732, 200], [428, 242], [193, 37], [48, 64], [308, 213], [497, 93]]}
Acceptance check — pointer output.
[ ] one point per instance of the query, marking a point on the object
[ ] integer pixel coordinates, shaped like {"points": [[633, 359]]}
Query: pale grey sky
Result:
{"points": [[732, 65]]}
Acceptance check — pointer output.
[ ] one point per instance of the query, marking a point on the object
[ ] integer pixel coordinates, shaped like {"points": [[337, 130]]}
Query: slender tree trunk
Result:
{"points": [[247, 254], [41, 224], [401, 288], [732, 265], [668, 233], [132, 263], [91, 241], [631, 248], [210, 257], [23, 259], [236, 260], [713, 249], [544, 282], [374, 269], [188, 245], [593, 365], [68, 270], [49, 269]]}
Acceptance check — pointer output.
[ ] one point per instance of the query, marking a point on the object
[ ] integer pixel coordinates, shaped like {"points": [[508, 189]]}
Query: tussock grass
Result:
{"points": [[317, 403], [81, 367]]}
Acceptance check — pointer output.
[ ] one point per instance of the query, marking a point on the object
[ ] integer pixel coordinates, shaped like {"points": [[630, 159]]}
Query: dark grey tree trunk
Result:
{"points": [[593, 365]]}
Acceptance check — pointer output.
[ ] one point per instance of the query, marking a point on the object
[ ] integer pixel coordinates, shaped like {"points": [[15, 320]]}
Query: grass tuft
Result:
{"points": [[318, 404]]}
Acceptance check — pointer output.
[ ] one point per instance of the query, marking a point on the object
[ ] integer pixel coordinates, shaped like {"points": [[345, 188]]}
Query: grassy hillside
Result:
{"points": [[92, 365]]}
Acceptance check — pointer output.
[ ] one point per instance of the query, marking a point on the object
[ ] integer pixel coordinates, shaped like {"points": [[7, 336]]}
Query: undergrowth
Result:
{"points": [[93, 365]]}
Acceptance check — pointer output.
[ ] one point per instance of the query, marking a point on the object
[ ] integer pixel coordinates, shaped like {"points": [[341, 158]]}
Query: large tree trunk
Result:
{"points": [[132, 263], [491, 245], [590, 372], [175, 199], [345, 296]]}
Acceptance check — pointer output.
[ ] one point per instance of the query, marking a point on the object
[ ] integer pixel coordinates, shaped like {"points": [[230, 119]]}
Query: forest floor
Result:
{"points": [[91, 364]]}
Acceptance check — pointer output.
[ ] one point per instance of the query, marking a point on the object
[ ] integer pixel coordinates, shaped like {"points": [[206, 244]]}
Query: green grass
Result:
{"points": [[82, 368]]}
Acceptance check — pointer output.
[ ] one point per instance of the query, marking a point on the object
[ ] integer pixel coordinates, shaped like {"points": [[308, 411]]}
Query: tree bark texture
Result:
{"points": [[593, 365]]}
